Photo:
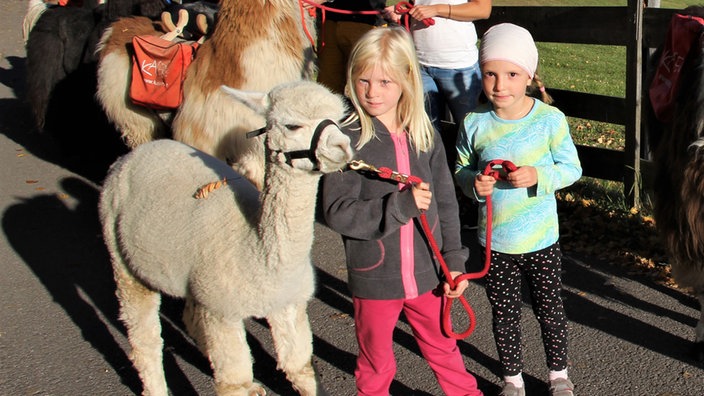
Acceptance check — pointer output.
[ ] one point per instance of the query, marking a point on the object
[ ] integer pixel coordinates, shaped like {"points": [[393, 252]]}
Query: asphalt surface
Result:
{"points": [[59, 333]]}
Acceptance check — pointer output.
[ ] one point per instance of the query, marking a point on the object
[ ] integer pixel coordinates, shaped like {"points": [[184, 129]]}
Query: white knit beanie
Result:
{"points": [[511, 43]]}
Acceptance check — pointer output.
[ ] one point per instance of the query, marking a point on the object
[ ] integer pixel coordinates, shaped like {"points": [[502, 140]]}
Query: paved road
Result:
{"points": [[59, 334]]}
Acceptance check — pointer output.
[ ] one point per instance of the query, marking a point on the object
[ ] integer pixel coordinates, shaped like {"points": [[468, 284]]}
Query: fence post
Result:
{"points": [[634, 90]]}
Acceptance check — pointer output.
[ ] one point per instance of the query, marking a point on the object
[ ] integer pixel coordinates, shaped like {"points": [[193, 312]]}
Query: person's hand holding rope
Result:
{"points": [[422, 195], [406, 8], [484, 184], [460, 286], [523, 177], [423, 12], [389, 13]]}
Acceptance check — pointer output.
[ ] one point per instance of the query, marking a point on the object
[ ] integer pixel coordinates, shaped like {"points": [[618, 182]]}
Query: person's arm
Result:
{"points": [[367, 219], [469, 11], [566, 168], [467, 173]]}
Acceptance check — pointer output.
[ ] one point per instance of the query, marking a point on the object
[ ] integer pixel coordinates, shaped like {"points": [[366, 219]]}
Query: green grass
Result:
{"points": [[598, 69]]}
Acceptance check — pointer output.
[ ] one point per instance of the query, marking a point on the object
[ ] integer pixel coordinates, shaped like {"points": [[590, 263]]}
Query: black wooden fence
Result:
{"points": [[636, 27]]}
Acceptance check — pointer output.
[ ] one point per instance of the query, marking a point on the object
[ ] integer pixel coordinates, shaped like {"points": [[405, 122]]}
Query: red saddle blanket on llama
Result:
{"points": [[158, 71], [683, 33]]}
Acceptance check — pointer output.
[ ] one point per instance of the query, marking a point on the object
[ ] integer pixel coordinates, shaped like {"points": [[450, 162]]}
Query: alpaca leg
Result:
{"points": [[139, 311], [293, 341], [194, 323], [230, 358]]}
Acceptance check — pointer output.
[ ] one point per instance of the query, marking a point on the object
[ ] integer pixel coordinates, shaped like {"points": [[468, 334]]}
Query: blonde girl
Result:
{"points": [[390, 265]]}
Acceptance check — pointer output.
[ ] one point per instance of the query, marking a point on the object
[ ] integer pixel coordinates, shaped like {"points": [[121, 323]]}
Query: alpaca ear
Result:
{"points": [[257, 101]]}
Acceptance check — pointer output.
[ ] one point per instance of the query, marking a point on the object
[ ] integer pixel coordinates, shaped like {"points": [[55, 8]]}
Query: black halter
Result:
{"points": [[298, 154]]}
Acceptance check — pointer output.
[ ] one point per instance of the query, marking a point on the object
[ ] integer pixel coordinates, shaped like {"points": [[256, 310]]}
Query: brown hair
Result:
{"points": [[537, 90]]}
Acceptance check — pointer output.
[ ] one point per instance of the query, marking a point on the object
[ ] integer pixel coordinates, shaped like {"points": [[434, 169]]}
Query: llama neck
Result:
{"points": [[288, 214]]}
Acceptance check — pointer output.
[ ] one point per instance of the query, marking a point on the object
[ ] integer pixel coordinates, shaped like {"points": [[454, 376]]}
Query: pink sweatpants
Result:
{"points": [[375, 321]]}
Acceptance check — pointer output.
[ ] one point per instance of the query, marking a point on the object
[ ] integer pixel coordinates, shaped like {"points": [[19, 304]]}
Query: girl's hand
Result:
{"points": [[523, 177], [459, 288], [484, 185], [422, 195]]}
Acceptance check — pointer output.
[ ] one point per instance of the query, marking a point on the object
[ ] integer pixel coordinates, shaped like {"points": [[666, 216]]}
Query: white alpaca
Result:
{"points": [[255, 45], [235, 253]]}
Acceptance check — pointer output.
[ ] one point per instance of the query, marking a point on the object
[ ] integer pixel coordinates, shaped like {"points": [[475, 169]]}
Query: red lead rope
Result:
{"points": [[403, 8], [387, 173]]}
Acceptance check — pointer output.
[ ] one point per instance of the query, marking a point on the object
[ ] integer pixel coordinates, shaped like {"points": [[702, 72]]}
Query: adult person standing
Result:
{"points": [[448, 55], [339, 31]]}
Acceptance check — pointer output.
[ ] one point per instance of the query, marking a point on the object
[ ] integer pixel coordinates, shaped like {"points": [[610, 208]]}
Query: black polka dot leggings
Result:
{"points": [[542, 270]]}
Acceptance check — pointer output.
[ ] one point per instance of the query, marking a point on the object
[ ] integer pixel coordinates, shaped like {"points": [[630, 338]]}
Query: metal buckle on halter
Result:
{"points": [[360, 165]]}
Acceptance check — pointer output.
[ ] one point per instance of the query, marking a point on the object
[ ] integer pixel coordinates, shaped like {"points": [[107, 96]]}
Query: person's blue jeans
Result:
{"points": [[458, 89], [455, 89]]}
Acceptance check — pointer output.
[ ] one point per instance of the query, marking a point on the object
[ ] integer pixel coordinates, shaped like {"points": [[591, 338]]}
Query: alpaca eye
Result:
{"points": [[293, 127]]}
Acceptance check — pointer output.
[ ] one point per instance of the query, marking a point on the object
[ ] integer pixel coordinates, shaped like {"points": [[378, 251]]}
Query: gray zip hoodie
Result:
{"points": [[368, 212]]}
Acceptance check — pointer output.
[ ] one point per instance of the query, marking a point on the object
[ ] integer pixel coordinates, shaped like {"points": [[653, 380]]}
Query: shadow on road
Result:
{"points": [[63, 246], [598, 281], [77, 135]]}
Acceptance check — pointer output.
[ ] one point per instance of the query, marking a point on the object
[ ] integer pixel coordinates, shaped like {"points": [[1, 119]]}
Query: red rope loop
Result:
{"points": [[506, 166], [311, 13], [324, 9], [489, 170], [403, 8], [338, 10], [387, 173]]}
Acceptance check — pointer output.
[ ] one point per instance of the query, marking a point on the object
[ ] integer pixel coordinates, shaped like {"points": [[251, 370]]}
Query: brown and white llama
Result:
{"points": [[677, 142], [255, 45]]}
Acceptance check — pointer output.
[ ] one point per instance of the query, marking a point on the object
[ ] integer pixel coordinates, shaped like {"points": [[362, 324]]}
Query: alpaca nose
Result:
{"points": [[341, 143], [337, 146]]}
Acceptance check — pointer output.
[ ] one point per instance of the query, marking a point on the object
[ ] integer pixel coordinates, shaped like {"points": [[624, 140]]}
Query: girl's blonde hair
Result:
{"points": [[393, 51]]}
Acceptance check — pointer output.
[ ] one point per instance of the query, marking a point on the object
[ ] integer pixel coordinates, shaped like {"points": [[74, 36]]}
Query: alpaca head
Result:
{"points": [[301, 124]]}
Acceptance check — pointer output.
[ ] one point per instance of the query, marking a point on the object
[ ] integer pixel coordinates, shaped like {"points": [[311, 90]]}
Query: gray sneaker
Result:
{"points": [[561, 387], [511, 390]]}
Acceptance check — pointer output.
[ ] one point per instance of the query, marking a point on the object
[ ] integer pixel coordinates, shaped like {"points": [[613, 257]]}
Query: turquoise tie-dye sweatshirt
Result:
{"points": [[524, 219]]}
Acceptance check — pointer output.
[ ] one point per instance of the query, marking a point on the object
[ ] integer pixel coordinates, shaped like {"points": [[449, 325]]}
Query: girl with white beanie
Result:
{"points": [[534, 136]]}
